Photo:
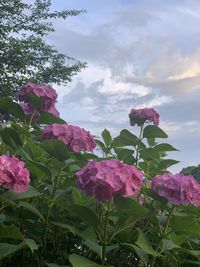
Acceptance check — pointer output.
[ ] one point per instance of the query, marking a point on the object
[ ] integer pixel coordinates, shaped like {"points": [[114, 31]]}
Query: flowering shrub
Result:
{"points": [[13, 174], [140, 116], [178, 189], [108, 178], [46, 94], [76, 138], [117, 207]]}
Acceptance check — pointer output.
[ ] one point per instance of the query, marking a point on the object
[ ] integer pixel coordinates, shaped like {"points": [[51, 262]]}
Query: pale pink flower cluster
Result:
{"points": [[140, 116], [108, 178], [77, 139], [177, 189], [45, 92], [13, 174]]}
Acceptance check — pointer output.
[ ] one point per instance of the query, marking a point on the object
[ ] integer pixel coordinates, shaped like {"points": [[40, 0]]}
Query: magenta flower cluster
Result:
{"points": [[177, 189], [46, 93], [13, 174], [77, 139], [140, 116], [108, 178]]}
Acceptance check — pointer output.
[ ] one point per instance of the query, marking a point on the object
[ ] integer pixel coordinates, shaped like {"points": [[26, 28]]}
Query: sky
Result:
{"points": [[140, 53]]}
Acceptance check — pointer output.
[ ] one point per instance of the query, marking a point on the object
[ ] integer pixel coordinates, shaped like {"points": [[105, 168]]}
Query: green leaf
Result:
{"points": [[12, 108], [152, 131], [168, 244], [188, 225], [56, 148], [125, 138], [144, 244], [129, 212], [55, 265], [78, 261], [68, 227], [149, 154], [31, 193], [49, 118], [36, 101], [166, 163], [141, 253], [165, 147], [10, 231], [126, 155], [39, 169], [10, 137], [84, 213], [31, 208], [31, 244], [8, 249], [106, 137]]}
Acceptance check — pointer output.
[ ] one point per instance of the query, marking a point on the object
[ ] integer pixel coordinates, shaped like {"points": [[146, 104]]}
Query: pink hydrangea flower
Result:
{"points": [[140, 116], [107, 178], [46, 93], [77, 139], [177, 189], [13, 174]]}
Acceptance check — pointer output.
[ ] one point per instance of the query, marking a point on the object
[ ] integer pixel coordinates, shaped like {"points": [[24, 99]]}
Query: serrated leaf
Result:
{"points": [[7, 105], [166, 163], [8, 249], [49, 118], [56, 148], [10, 231], [152, 131], [165, 147], [78, 261], [144, 244], [125, 138], [31, 193], [31, 244], [106, 137], [31, 208]]}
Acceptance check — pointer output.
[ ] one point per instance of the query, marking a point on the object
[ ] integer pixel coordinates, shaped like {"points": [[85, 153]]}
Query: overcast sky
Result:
{"points": [[143, 53]]}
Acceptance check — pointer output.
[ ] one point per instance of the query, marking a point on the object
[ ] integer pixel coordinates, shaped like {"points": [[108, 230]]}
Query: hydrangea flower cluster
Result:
{"points": [[140, 116], [46, 93], [77, 139], [108, 178], [13, 174], [177, 189]]}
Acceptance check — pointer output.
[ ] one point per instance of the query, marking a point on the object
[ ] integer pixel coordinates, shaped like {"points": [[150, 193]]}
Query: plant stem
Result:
{"points": [[49, 212], [105, 233], [163, 234], [138, 145]]}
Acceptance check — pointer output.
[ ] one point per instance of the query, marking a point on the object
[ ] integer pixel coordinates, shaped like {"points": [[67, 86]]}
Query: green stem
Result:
{"points": [[31, 119], [138, 145], [49, 211], [163, 234], [105, 233]]}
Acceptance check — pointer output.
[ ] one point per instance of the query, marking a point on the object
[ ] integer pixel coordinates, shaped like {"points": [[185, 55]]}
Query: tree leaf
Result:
{"points": [[152, 131]]}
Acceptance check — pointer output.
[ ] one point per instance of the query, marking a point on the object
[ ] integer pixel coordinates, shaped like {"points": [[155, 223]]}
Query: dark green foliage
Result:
{"points": [[24, 53], [192, 170]]}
